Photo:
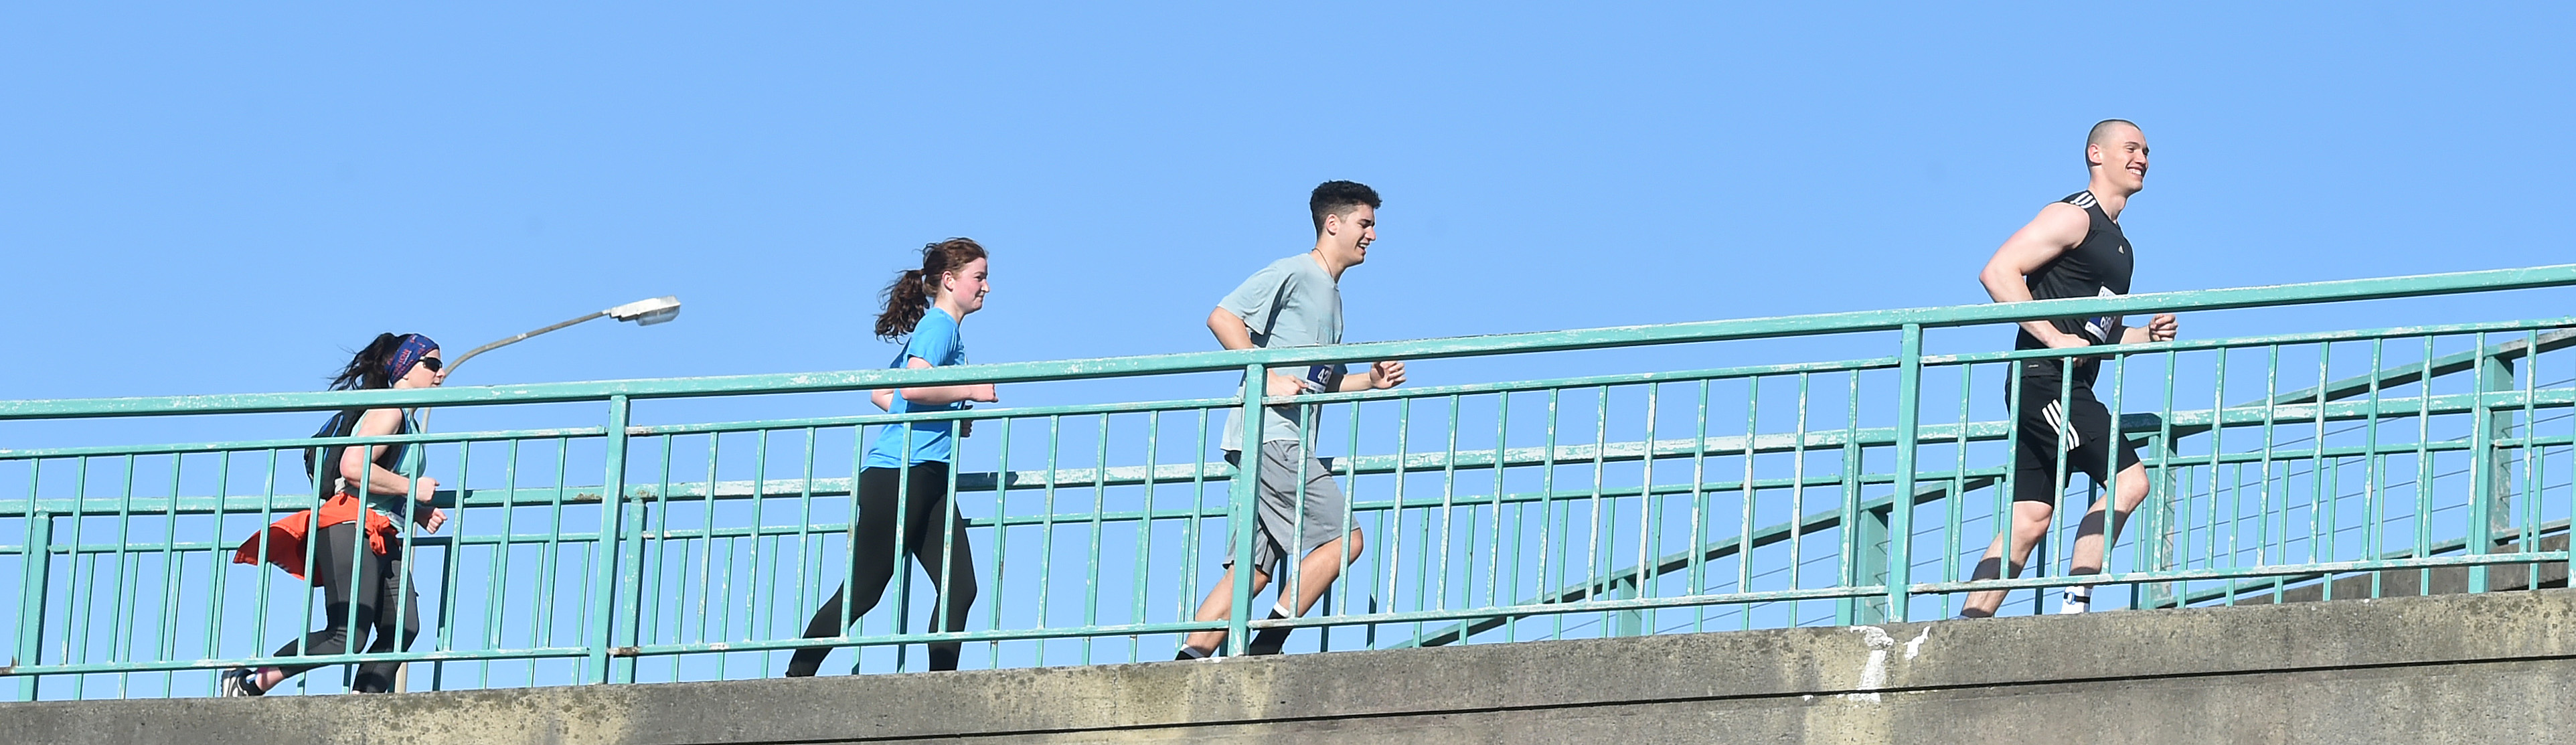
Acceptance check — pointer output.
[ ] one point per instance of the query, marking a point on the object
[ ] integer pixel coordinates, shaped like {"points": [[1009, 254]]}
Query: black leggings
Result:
{"points": [[925, 515], [378, 580]]}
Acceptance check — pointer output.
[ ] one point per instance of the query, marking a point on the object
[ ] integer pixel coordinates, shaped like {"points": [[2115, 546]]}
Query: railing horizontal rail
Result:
{"points": [[2183, 421], [1844, 491], [2261, 570], [2278, 582]]}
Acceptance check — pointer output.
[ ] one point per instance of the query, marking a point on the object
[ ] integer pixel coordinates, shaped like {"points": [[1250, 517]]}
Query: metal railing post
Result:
{"points": [[1900, 524], [2490, 480], [1869, 559], [31, 598], [1631, 622], [1241, 515], [606, 575], [2158, 527]]}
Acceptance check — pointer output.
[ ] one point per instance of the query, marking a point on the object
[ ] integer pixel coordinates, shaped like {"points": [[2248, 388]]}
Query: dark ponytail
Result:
{"points": [[910, 294], [367, 370]]}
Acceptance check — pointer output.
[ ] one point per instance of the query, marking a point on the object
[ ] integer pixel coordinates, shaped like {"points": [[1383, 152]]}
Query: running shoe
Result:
{"points": [[237, 682]]}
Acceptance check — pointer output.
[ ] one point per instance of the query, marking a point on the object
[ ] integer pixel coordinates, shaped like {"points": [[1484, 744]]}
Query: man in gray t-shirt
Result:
{"points": [[1300, 512], [1292, 302]]}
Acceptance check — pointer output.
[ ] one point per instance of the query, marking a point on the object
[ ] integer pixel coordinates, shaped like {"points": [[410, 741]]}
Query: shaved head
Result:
{"points": [[2116, 152], [2103, 130], [2103, 135]]}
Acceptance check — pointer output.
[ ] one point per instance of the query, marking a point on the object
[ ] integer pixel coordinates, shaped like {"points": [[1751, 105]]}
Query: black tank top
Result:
{"points": [[2097, 267]]}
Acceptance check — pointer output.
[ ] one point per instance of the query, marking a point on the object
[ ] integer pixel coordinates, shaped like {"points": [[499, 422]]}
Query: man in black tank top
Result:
{"points": [[2073, 249]]}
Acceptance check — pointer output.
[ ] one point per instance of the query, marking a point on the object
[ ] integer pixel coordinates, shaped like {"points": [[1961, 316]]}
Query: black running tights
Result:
{"points": [[926, 517], [377, 582]]}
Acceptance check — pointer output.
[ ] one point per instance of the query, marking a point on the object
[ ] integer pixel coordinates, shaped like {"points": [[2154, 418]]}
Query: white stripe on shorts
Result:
{"points": [[2067, 437]]}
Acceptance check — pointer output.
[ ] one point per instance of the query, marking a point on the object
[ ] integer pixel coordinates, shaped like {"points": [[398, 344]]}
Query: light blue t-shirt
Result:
{"points": [[935, 340], [1290, 303]]}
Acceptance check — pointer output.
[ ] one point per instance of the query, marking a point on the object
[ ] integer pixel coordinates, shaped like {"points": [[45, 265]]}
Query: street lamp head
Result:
{"points": [[649, 311]]}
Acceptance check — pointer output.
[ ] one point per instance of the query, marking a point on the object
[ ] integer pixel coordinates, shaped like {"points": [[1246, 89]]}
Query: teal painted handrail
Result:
{"points": [[1698, 499]]}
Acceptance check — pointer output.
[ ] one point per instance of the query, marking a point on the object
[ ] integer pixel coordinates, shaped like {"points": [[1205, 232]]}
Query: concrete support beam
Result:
{"points": [[2498, 667]]}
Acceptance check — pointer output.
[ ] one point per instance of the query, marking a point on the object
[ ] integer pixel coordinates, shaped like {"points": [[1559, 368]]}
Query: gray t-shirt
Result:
{"points": [[1290, 303]]}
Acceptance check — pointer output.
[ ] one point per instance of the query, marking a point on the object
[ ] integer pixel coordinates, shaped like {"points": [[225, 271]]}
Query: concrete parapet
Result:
{"points": [[2491, 668]]}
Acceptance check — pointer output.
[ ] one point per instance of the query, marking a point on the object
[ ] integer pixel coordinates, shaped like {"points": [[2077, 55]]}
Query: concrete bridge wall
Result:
{"points": [[2494, 668]]}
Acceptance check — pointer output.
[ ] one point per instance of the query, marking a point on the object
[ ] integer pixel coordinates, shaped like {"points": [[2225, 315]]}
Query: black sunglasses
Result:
{"points": [[432, 363]]}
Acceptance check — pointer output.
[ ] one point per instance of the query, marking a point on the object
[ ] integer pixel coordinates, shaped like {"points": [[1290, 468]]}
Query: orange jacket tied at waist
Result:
{"points": [[286, 537]]}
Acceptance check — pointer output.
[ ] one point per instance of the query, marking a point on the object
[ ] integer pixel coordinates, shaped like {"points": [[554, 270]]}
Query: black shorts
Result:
{"points": [[2090, 432]]}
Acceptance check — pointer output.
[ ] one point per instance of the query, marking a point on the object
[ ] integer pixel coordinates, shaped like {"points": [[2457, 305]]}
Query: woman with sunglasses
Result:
{"points": [[364, 485]]}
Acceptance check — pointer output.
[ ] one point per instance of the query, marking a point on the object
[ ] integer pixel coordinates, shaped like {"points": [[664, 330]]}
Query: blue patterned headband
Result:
{"points": [[414, 347]]}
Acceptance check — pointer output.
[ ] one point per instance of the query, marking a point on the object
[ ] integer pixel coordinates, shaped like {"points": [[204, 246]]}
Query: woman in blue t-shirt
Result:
{"points": [[903, 490]]}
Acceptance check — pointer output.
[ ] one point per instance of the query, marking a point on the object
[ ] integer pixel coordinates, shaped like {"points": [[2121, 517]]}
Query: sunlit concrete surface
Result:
{"points": [[2490, 668]]}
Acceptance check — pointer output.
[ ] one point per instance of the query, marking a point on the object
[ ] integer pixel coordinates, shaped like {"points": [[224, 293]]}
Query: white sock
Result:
{"points": [[2077, 599]]}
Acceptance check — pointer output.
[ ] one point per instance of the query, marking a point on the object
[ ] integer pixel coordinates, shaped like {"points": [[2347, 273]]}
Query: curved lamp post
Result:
{"points": [[644, 312]]}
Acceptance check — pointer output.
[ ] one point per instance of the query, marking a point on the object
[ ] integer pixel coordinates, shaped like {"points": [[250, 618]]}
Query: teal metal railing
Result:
{"points": [[607, 532]]}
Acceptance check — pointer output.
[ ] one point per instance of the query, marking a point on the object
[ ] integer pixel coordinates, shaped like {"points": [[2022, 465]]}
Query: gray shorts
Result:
{"points": [[1316, 518]]}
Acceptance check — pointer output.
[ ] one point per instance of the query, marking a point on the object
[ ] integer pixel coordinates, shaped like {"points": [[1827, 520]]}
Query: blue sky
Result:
{"points": [[200, 199], [218, 199]]}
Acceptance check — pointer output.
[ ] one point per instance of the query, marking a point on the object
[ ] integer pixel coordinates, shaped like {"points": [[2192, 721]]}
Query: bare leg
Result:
{"points": [[1315, 574], [1219, 602], [2029, 522], [2128, 489], [1321, 567]]}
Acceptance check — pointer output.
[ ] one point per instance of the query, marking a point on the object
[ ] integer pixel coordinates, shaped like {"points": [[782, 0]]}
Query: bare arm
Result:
{"points": [[1232, 334], [937, 395], [2056, 230], [358, 464], [1381, 375], [884, 398], [2161, 328]]}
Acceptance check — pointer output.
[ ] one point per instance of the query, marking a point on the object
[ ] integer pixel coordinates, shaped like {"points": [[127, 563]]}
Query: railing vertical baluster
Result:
{"points": [[2320, 498], [1046, 527], [1551, 545], [1847, 562], [440, 623], [120, 630], [493, 593], [216, 559], [1954, 519], [1506, 533], [1699, 512], [2423, 547], [78, 594], [2490, 486], [1600, 534], [31, 587], [1867, 529], [2527, 538], [1650, 531], [1900, 528], [1144, 533], [1093, 571], [606, 572], [2160, 525], [1239, 509], [2372, 523], [1797, 490], [655, 571], [1002, 530]]}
